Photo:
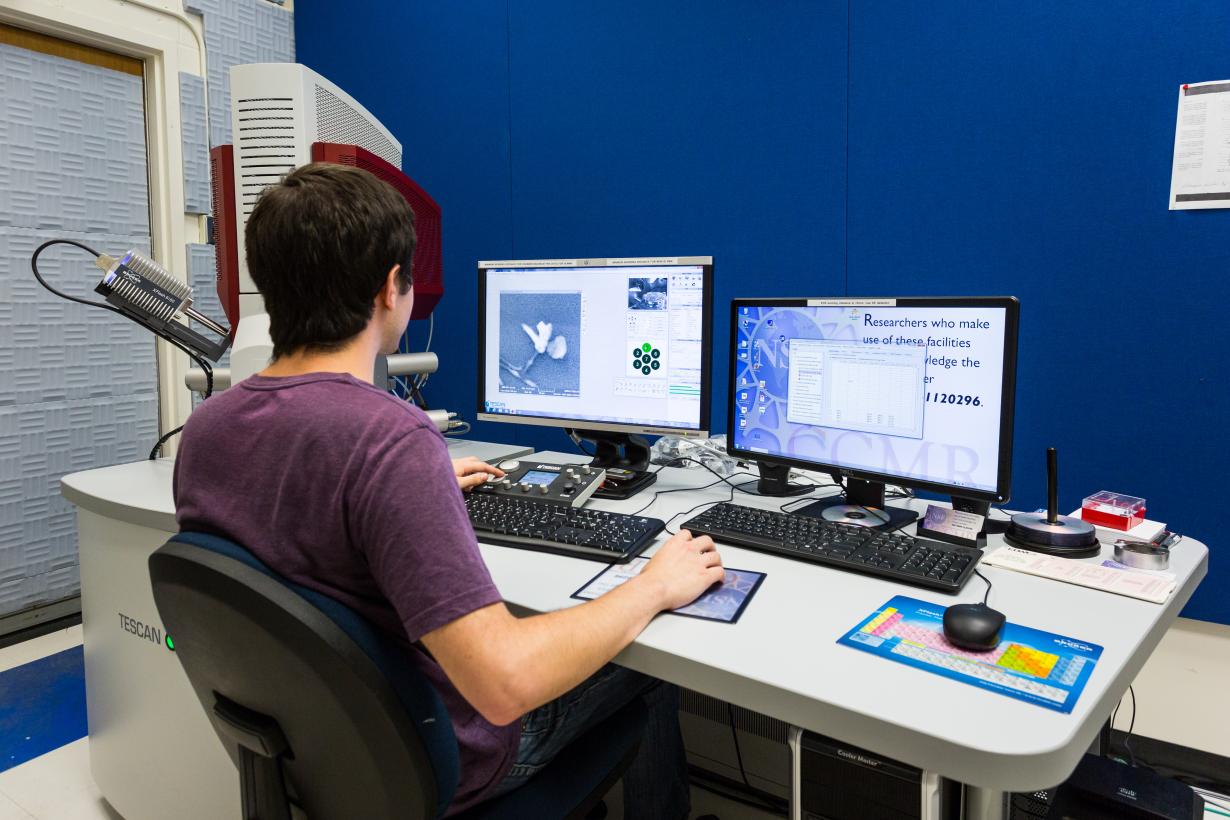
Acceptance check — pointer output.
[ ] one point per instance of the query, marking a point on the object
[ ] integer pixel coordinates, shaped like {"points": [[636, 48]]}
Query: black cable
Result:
{"points": [[60, 293], [209, 378], [153, 453], [209, 390], [683, 489], [986, 581], [728, 499], [738, 752], [807, 498], [731, 789], [418, 397], [721, 479], [677, 461], [1127, 740]]}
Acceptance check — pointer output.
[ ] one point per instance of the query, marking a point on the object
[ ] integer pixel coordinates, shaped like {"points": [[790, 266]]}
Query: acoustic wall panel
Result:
{"points": [[72, 146], [238, 32], [39, 443], [78, 385], [193, 133]]}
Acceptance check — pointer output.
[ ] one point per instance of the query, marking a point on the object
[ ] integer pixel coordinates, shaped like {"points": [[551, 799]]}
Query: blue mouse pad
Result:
{"points": [[1039, 667]]}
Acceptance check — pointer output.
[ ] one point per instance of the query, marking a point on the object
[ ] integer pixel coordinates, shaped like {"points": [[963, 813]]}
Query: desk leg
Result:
{"points": [[984, 804]]}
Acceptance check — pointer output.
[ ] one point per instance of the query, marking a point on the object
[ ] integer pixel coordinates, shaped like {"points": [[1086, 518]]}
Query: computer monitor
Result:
{"points": [[916, 392], [610, 349]]}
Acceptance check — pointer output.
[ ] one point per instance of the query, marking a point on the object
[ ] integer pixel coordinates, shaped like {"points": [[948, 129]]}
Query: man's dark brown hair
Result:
{"points": [[320, 244]]}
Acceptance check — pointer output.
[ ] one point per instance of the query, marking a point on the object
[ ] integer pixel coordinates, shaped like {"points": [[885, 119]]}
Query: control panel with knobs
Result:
{"points": [[569, 484]]}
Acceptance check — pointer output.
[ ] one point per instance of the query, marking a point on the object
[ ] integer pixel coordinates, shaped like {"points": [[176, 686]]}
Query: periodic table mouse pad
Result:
{"points": [[1031, 665]]}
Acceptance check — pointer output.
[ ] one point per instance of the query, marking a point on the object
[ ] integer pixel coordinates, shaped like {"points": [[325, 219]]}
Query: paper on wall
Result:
{"points": [[1200, 176]]}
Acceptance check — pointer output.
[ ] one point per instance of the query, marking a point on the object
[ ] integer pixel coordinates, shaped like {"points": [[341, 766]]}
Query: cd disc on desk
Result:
{"points": [[1064, 537], [856, 515]]}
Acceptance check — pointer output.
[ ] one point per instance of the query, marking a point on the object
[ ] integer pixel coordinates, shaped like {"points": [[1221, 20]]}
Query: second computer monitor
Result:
{"points": [[913, 391], [610, 348]]}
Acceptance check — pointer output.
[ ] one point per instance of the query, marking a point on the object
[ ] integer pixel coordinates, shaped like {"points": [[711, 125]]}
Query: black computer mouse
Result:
{"points": [[975, 627]]}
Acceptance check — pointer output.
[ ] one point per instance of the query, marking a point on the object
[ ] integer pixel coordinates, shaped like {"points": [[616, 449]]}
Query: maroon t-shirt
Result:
{"points": [[344, 489]]}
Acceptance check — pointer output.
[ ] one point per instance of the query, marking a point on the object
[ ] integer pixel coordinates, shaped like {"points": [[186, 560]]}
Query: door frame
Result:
{"points": [[167, 41]]}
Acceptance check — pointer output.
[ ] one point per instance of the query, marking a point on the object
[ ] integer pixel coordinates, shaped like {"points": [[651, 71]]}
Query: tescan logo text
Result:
{"points": [[145, 631]]}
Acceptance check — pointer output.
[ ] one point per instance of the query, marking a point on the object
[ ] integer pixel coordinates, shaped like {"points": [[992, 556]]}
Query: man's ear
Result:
{"points": [[391, 289]]}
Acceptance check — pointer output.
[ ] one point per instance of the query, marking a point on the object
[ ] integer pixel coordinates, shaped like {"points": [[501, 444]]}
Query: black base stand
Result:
{"points": [[625, 458], [1051, 533], [775, 481], [860, 493], [261, 747]]}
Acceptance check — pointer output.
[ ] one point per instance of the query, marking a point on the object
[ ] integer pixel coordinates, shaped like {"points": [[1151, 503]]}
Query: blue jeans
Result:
{"points": [[656, 784]]}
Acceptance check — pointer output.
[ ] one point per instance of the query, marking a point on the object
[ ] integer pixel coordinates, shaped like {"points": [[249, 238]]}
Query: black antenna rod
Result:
{"points": [[1052, 485]]}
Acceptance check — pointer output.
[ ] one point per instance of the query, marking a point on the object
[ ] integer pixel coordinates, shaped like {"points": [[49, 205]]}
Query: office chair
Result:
{"points": [[322, 712]]}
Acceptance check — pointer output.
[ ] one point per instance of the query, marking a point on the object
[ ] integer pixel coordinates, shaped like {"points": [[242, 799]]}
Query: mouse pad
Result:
{"points": [[1031, 665], [722, 602]]}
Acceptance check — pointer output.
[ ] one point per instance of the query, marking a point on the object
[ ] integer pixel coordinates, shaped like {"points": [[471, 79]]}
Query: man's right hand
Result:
{"points": [[505, 666], [683, 568]]}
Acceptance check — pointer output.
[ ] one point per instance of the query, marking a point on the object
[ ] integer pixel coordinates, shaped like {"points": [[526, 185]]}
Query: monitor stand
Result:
{"points": [[625, 457], [861, 504], [775, 481]]}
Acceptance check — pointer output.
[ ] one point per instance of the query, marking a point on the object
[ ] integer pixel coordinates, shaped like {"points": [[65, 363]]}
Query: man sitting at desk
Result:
{"points": [[341, 487]]}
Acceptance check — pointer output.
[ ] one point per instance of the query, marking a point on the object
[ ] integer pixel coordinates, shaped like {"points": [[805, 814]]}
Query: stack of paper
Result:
{"points": [[1147, 586]]}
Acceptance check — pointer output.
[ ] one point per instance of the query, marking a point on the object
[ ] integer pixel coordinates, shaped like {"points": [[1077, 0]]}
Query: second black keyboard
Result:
{"points": [[896, 556], [526, 523]]}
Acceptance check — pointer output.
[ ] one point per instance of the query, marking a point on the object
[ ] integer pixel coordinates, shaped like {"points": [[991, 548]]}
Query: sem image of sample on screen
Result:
{"points": [[540, 343], [647, 294]]}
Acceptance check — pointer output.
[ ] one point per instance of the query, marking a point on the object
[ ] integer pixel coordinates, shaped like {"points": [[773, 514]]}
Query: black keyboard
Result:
{"points": [[891, 555], [545, 526]]}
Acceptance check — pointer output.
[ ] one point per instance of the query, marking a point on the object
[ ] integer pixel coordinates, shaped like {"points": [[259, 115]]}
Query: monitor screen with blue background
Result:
{"points": [[908, 389]]}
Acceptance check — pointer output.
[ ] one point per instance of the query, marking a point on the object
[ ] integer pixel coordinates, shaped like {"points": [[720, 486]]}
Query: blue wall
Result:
{"points": [[826, 147]]}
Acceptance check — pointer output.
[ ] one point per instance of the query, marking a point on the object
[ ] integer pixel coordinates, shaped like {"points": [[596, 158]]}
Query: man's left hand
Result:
{"points": [[471, 472]]}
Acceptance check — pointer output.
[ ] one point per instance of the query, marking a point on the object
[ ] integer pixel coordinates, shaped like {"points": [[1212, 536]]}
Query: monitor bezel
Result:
{"points": [[1011, 306], [581, 265]]}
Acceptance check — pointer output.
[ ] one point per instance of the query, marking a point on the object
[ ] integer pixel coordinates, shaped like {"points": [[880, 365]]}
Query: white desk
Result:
{"points": [[782, 658], [154, 755]]}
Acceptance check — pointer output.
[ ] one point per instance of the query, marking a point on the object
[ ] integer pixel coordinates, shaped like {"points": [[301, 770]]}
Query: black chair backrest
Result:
{"points": [[368, 735]]}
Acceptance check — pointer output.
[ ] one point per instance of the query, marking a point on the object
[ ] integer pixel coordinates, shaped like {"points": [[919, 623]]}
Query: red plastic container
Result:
{"points": [[1113, 510]]}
